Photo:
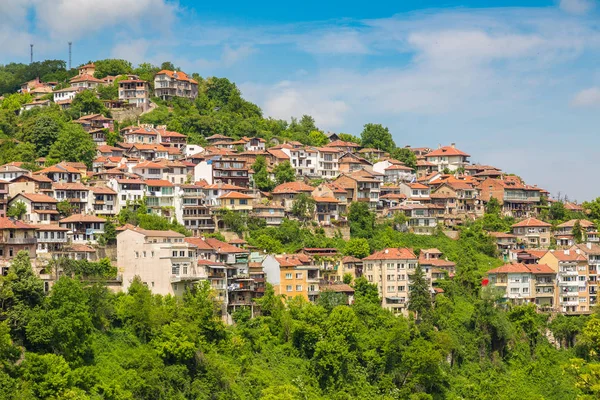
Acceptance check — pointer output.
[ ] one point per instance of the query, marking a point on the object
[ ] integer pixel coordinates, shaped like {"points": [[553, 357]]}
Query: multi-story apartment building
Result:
{"points": [[448, 157], [361, 186], [572, 294], [192, 211], [305, 160], [135, 91], [349, 162], [564, 232], [51, 239], [41, 208], [591, 252], [532, 232], [160, 197], [467, 198], [14, 237], [531, 283], [163, 260], [329, 262], [328, 166], [128, 191], [236, 201], [397, 173], [435, 266], [293, 275], [84, 228], [390, 270], [170, 84], [517, 199], [3, 198]]}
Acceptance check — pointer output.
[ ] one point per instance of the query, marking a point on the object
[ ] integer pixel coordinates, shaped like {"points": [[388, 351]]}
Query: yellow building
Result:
{"points": [[293, 275], [236, 201]]}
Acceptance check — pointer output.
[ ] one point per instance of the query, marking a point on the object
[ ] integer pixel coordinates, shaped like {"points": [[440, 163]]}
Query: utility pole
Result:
{"points": [[70, 43], [30, 53]]}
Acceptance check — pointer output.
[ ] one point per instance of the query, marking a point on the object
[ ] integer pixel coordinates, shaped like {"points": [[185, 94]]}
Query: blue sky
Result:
{"points": [[514, 83]]}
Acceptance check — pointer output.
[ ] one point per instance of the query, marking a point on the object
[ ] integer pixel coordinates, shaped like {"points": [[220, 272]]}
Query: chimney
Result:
{"points": [[453, 145], [567, 252], [588, 245]]}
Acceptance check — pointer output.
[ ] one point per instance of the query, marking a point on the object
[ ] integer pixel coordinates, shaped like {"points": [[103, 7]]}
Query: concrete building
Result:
{"points": [[532, 233]]}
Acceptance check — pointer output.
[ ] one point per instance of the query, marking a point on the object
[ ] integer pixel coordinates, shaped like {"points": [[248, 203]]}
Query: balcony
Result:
{"points": [[20, 240], [568, 273], [183, 278], [570, 283], [569, 303]]}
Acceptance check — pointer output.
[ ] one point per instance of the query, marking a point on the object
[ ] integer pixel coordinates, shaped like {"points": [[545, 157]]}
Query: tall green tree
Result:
{"points": [[406, 156], [261, 177], [361, 219], [86, 102], [419, 296], [73, 144], [112, 67], [578, 232], [284, 172], [378, 137], [303, 207], [17, 210]]}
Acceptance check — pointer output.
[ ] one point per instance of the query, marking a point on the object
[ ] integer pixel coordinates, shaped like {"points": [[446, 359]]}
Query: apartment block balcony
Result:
{"points": [[568, 273], [186, 278]]}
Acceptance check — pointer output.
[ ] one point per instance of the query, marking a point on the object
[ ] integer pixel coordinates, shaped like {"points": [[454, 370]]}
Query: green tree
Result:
{"points": [[346, 137], [329, 299], [62, 325], [268, 244], [303, 207], [592, 208], [406, 156], [284, 172], [17, 210], [42, 131], [557, 211], [493, 206], [261, 177], [86, 102], [378, 137], [73, 144], [64, 208], [47, 376], [366, 292], [357, 247], [110, 232], [362, 220], [578, 232], [419, 297], [112, 67], [317, 138]]}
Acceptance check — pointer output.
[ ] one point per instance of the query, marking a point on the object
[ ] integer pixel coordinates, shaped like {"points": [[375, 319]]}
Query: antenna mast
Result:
{"points": [[30, 53], [70, 43]]}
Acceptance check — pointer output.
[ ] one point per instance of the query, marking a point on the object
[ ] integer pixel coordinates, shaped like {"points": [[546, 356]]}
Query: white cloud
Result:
{"points": [[577, 6], [587, 98], [134, 51], [231, 56], [75, 18], [337, 42]]}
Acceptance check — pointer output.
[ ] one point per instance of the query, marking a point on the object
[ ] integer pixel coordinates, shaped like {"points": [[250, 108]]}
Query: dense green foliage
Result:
{"points": [[83, 341], [138, 215]]}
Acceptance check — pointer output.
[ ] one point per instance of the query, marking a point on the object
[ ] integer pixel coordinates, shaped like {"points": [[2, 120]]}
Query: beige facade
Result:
{"points": [[162, 260]]}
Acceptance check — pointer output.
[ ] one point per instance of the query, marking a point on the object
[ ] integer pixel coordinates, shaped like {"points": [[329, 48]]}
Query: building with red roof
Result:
{"points": [[448, 157], [170, 84]]}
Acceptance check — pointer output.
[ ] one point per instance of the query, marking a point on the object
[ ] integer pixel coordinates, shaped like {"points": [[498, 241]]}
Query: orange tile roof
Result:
{"points": [[446, 151], [393, 253], [510, 269], [158, 183], [293, 187], [531, 222], [81, 218], [181, 76], [8, 223], [38, 197], [235, 195]]}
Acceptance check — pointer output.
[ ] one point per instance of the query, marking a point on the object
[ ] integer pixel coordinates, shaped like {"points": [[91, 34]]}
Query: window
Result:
{"points": [[182, 253], [391, 288], [144, 254], [288, 288], [401, 288], [298, 288], [175, 269], [525, 290], [288, 276], [137, 254], [299, 275], [174, 253]]}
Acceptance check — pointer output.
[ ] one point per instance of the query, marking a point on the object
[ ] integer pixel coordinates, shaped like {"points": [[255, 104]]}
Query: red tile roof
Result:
{"points": [[158, 183], [235, 195], [81, 218], [293, 187], [531, 222], [8, 223], [447, 151], [393, 254], [38, 197]]}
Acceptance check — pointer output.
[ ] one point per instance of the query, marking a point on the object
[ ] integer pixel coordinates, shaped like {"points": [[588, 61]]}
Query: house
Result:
{"points": [[230, 170], [572, 294], [390, 270], [292, 275], [52, 239], [305, 160], [465, 195], [135, 91], [170, 84], [61, 172], [163, 260], [85, 81], [30, 184], [329, 262], [64, 97], [192, 210], [84, 228], [522, 284], [435, 266], [255, 144], [448, 157], [415, 191], [361, 186], [591, 252], [425, 168], [350, 162], [236, 201], [286, 193], [8, 172], [272, 213], [76, 194], [87, 69], [343, 146], [517, 199], [128, 191], [35, 104], [353, 266], [532, 233], [217, 138], [326, 209], [95, 125], [332, 192], [14, 237], [564, 232], [41, 208], [397, 173], [505, 242], [422, 218], [339, 287], [103, 201], [372, 154]]}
